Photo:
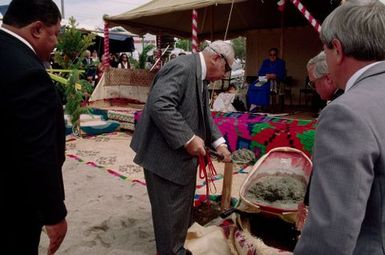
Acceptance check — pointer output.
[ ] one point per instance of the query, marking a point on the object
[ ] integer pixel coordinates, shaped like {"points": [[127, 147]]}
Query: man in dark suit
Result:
{"points": [[173, 131], [32, 192], [347, 206]]}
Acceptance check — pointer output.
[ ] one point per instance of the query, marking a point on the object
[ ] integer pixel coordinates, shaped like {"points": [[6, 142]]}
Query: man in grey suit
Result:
{"points": [[174, 129], [347, 206]]}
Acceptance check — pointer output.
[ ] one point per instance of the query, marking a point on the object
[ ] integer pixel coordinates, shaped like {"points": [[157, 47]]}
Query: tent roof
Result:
{"points": [[174, 17]]}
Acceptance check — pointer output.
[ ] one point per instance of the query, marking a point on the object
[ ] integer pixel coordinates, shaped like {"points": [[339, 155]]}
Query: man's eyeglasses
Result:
{"points": [[311, 84], [227, 66]]}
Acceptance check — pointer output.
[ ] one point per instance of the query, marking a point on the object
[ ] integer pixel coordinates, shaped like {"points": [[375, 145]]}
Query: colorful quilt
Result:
{"points": [[261, 133]]}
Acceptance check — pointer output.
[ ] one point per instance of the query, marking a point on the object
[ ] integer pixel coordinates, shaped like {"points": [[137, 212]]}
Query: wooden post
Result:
{"points": [[226, 187]]}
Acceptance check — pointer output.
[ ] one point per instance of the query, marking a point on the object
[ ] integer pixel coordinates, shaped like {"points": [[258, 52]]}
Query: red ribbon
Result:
{"points": [[208, 173]]}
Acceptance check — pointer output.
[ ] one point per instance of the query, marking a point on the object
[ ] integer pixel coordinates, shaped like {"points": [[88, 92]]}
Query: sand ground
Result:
{"points": [[106, 215]]}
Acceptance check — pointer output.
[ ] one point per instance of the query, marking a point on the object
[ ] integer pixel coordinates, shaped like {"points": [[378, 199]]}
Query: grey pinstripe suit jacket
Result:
{"points": [[347, 193], [174, 112]]}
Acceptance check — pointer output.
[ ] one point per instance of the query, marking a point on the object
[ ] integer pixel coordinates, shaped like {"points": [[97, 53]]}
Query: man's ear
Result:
{"points": [[338, 50], [36, 29]]}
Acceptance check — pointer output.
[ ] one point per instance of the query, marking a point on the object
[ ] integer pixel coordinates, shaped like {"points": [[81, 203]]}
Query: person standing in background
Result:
{"points": [[32, 190], [173, 131], [347, 207]]}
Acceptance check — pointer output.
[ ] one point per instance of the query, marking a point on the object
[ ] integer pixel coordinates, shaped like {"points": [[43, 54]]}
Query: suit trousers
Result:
{"points": [[171, 206], [22, 237]]}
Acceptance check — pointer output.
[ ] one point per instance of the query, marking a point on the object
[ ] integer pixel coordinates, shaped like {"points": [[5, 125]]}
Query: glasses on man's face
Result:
{"points": [[227, 66], [311, 84]]}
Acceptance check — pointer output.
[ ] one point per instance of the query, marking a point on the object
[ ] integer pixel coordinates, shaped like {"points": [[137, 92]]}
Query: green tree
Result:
{"points": [[184, 44], [71, 44], [239, 45], [203, 45], [143, 56]]}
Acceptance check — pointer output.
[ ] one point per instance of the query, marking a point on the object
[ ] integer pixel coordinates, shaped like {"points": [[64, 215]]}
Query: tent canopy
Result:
{"points": [[174, 17]]}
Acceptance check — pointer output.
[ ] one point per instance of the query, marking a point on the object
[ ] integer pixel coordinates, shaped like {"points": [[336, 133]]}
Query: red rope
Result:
{"points": [[208, 174]]}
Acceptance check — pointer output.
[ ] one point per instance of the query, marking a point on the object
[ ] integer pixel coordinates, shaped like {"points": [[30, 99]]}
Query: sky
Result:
{"points": [[90, 12]]}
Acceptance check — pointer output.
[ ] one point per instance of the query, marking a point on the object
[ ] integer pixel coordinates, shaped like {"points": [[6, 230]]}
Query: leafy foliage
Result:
{"points": [[203, 45], [184, 44], [71, 44], [74, 100], [143, 56], [239, 45]]}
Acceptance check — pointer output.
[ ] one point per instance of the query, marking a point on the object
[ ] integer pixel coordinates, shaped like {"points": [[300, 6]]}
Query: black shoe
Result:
{"points": [[188, 252]]}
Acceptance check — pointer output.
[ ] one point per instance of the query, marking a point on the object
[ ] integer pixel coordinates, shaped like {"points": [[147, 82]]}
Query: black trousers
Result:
{"points": [[22, 236], [171, 206]]}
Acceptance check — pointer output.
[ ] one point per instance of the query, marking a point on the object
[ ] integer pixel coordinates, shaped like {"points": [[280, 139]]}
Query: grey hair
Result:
{"points": [[320, 65], [360, 27], [221, 47]]}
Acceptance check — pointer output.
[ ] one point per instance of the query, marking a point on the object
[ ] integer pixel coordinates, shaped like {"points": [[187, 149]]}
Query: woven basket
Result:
{"points": [[128, 77], [278, 161]]}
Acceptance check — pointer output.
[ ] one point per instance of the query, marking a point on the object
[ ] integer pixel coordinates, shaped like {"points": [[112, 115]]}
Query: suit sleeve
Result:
{"points": [[344, 154], [168, 91], [41, 144]]}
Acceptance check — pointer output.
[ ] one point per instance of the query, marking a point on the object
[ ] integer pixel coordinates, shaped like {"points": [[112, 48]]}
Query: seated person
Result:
{"points": [[224, 101], [272, 71]]}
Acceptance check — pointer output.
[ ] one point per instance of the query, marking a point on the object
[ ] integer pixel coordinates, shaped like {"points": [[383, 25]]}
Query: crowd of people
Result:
{"points": [[345, 195]]}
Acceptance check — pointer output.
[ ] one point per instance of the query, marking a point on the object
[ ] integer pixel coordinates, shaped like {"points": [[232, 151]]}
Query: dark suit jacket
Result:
{"points": [[347, 206], [33, 139], [174, 112]]}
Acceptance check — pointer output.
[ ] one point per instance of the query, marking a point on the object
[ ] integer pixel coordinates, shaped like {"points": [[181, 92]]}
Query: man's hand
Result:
{"points": [[222, 150], [56, 234], [196, 147]]}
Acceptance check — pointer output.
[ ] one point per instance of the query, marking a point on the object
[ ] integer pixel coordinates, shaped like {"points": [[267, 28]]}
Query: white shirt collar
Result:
{"points": [[357, 74], [203, 64], [18, 37]]}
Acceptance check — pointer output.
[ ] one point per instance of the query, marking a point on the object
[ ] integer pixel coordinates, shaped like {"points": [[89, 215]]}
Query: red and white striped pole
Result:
{"points": [[194, 38], [106, 58], [307, 15]]}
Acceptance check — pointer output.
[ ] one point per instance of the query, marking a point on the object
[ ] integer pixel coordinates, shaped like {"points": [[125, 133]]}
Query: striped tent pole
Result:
{"points": [[106, 59], [194, 31], [307, 15]]}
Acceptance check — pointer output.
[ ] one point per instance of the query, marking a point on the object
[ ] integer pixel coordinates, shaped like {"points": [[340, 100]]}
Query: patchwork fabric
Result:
{"points": [[261, 133]]}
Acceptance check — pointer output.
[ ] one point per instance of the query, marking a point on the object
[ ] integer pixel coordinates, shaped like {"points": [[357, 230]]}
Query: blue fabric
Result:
{"points": [[261, 95]]}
